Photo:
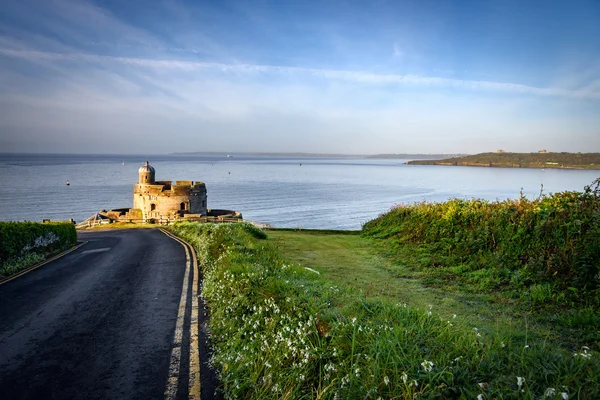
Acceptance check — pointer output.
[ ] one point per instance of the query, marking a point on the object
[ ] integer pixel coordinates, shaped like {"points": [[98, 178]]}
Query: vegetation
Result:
{"points": [[521, 160], [545, 249], [283, 330], [24, 243], [364, 264]]}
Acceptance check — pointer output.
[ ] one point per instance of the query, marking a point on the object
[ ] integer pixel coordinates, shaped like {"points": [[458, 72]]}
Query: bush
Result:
{"points": [[552, 240], [20, 240]]}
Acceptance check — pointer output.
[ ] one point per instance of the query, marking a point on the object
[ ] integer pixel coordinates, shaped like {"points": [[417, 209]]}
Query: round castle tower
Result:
{"points": [[161, 200], [147, 172]]}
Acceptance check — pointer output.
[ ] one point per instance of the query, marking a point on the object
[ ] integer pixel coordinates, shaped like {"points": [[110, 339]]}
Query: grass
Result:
{"points": [[364, 264], [357, 329]]}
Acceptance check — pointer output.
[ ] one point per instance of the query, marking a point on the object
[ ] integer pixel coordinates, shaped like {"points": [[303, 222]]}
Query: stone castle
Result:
{"points": [[163, 202]]}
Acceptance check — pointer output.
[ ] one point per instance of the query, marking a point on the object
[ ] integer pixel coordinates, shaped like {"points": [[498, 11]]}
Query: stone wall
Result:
{"points": [[163, 200]]}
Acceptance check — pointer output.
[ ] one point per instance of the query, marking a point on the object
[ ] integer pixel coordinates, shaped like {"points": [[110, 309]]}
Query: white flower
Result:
{"points": [[454, 316], [550, 392], [404, 377], [503, 345], [427, 365], [564, 396], [520, 381], [386, 380], [526, 346], [479, 397]]}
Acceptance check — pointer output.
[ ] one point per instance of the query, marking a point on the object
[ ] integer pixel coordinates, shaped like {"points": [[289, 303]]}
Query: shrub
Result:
{"points": [[550, 240], [21, 241]]}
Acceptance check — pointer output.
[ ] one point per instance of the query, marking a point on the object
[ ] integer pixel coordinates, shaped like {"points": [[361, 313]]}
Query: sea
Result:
{"points": [[285, 192]]}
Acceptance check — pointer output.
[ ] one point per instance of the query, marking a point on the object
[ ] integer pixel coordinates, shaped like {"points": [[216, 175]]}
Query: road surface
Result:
{"points": [[97, 323]]}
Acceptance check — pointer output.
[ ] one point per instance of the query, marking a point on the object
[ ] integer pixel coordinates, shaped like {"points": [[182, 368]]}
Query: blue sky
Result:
{"points": [[310, 76]]}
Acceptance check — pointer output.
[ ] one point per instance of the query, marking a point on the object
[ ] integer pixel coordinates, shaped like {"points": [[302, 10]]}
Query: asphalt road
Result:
{"points": [[97, 323]]}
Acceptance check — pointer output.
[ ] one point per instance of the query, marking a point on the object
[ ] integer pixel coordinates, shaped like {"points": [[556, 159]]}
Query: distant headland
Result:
{"points": [[315, 155], [502, 159]]}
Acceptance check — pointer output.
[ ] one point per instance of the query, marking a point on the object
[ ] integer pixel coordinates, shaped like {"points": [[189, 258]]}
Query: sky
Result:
{"points": [[353, 77]]}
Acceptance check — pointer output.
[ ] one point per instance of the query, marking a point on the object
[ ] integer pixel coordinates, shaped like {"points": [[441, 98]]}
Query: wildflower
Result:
{"points": [[503, 345], [386, 380], [483, 385], [564, 396], [479, 397], [583, 354], [550, 392], [404, 377], [353, 320], [454, 316], [520, 381], [415, 383], [427, 365]]}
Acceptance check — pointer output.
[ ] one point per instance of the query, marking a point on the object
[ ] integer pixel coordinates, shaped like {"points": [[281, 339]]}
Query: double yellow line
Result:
{"points": [[194, 378]]}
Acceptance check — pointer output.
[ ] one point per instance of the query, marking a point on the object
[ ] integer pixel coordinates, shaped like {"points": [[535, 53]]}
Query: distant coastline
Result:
{"points": [[520, 160], [317, 155]]}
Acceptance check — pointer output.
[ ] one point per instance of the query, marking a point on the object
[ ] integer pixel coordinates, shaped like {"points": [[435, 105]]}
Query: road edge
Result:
{"points": [[41, 263], [194, 361]]}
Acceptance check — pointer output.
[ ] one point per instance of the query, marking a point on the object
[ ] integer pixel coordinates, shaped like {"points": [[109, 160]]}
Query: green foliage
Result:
{"points": [[281, 331], [20, 241], [551, 242]]}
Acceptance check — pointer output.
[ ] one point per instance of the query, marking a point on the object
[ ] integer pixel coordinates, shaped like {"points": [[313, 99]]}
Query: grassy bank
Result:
{"points": [[545, 251], [25, 243], [281, 330]]}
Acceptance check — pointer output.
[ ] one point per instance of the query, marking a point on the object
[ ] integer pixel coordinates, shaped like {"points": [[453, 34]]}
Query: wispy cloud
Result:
{"points": [[331, 74]]}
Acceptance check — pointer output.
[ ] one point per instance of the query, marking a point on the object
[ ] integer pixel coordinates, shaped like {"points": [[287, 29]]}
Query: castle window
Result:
{"points": [[182, 206], [152, 207]]}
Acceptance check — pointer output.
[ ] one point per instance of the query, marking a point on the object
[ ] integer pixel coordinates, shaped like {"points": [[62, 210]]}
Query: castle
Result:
{"points": [[162, 202], [158, 200]]}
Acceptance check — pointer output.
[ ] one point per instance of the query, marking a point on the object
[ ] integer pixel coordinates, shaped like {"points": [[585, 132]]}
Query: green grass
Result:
{"points": [[282, 331], [364, 265]]}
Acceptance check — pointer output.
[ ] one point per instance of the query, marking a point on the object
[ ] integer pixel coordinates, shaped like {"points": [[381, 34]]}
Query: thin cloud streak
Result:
{"points": [[344, 75]]}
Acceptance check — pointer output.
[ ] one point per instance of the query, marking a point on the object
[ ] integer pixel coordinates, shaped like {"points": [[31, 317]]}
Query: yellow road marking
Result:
{"points": [[194, 361], [36, 266], [194, 381]]}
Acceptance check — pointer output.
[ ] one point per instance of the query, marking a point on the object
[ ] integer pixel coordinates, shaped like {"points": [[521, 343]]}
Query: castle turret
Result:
{"points": [[146, 172]]}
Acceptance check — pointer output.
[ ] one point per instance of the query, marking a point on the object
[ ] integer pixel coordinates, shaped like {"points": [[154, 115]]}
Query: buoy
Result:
{"points": [[68, 184]]}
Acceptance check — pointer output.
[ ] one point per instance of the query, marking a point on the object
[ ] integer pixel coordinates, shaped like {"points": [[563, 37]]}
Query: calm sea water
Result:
{"points": [[323, 193]]}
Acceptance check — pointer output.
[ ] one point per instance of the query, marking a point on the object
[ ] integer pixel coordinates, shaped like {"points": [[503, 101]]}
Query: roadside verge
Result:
{"points": [[40, 264]]}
